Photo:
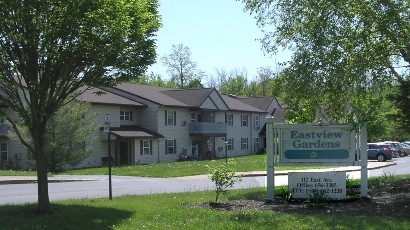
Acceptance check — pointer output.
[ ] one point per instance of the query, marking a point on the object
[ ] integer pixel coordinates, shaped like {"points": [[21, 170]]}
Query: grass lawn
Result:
{"points": [[183, 168], [169, 211]]}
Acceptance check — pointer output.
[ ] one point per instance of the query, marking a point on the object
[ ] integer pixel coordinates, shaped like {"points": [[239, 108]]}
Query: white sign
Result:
{"points": [[315, 143], [107, 118], [107, 123], [305, 184]]}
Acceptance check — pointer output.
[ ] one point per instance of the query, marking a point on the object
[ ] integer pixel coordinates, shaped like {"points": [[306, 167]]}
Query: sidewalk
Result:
{"points": [[72, 178], [371, 165]]}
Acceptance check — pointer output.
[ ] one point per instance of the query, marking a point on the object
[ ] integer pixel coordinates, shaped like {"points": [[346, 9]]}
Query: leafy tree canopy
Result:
{"points": [[340, 50], [181, 68], [49, 49]]}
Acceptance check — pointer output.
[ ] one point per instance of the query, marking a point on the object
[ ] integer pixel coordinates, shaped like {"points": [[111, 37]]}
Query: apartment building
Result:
{"points": [[150, 124]]}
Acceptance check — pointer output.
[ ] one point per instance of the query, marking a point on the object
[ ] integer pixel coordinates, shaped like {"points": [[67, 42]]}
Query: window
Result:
{"points": [[229, 119], [170, 146], [244, 119], [3, 151], [244, 143], [194, 148], [170, 117], [255, 144], [255, 122], [229, 146], [193, 118], [125, 115], [146, 147]]}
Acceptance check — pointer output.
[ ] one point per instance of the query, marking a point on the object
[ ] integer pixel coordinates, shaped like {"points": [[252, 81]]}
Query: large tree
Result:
{"points": [[341, 49], [50, 49], [181, 67]]}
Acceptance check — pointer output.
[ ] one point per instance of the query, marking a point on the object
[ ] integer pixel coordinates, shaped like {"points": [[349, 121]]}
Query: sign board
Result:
{"points": [[315, 143], [107, 123], [304, 184]]}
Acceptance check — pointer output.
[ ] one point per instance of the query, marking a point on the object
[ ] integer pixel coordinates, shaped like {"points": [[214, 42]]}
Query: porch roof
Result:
{"points": [[134, 131]]}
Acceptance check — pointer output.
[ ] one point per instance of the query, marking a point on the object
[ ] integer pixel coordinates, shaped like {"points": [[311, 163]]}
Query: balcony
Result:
{"points": [[207, 128]]}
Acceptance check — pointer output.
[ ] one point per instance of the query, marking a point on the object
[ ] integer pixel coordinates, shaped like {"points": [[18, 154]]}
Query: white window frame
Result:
{"points": [[244, 143], [125, 115], [194, 118], [229, 119], [244, 120], [146, 146], [194, 148], [255, 120], [170, 117], [171, 145], [229, 145]]}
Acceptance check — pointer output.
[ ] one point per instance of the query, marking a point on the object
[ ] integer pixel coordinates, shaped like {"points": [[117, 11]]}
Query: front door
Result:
{"points": [[124, 153]]}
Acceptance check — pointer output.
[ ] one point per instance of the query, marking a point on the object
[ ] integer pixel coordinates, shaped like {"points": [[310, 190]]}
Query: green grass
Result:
{"points": [[169, 211], [18, 173], [168, 169], [183, 168]]}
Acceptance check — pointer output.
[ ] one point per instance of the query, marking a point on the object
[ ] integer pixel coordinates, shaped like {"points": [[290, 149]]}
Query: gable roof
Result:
{"points": [[154, 94], [197, 98], [234, 104], [261, 103], [207, 98], [190, 97], [100, 96]]}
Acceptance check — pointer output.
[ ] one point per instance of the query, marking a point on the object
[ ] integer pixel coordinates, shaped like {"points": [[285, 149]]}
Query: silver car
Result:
{"points": [[405, 148]]}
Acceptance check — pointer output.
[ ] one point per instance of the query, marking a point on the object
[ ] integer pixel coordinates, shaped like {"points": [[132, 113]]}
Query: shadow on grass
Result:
{"points": [[70, 216]]}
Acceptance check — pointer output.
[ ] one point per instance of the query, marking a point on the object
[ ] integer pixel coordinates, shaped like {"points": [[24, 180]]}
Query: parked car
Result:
{"points": [[395, 145], [405, 148], [379, 151]]}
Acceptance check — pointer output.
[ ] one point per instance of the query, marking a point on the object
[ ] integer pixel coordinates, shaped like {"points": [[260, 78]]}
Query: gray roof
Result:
{"points": [[261, 103], [134, 131], [100, 96], [151, 93], [235, 104], [278, 115], [190, 97]]}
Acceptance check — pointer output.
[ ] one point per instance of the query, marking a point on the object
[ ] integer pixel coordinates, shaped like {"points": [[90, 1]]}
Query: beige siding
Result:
{"points": [[237, 132], [178, 132], [148, 116], [134, 115], [100, 145], [146, 159]]}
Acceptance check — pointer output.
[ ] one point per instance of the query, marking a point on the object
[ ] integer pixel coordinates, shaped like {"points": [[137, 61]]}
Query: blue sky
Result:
{"points": [[218, 32]]}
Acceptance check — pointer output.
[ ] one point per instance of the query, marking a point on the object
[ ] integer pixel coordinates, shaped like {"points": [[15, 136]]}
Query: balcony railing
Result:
{"points": [[207, 128]]}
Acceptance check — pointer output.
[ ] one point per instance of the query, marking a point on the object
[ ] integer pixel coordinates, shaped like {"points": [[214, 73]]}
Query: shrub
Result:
{"points": [[223, 176]]}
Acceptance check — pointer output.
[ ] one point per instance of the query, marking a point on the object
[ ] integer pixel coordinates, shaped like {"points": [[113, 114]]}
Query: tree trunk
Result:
{"points": [[44, 206], [38, 136]]}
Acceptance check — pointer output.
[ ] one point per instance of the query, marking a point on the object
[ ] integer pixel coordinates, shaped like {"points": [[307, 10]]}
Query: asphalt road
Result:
{"points": [[97, 186]]}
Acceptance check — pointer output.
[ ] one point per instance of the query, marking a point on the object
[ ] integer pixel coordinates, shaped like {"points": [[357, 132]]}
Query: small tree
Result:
{"points": [[223, 176], [67, 135]]}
